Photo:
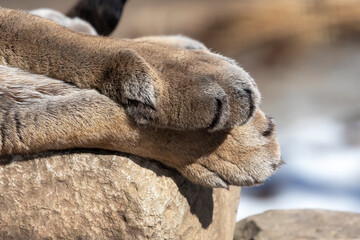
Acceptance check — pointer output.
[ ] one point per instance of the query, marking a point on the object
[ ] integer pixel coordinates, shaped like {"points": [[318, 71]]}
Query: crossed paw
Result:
{"points": [[167, 83], [244, 156], [176, 83], [224, 139]]}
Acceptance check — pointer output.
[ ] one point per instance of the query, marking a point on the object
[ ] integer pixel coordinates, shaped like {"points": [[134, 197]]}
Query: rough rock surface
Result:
{"points": [[299, 225], [106, 195]]}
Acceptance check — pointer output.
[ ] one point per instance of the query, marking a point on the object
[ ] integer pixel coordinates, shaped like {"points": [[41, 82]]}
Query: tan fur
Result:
{"points": [[157, 84], [175, 89]]}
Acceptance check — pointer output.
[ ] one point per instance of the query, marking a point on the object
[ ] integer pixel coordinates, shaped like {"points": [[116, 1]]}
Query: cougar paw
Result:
{"points": [[201, 89], [247, 156], [221, 174], [130, 81]]}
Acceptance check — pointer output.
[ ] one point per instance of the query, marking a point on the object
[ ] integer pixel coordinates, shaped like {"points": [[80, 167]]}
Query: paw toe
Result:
{"points": [[203, 176]]}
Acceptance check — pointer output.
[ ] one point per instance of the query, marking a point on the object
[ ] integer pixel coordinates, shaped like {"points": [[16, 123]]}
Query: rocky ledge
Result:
{"points": [[299, 225], [106, 195]]}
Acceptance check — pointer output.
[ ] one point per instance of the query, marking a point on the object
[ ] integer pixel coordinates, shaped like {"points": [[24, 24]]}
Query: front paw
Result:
{"points": [[199, 89], [130, 81], [169, 87], [247, 156]]}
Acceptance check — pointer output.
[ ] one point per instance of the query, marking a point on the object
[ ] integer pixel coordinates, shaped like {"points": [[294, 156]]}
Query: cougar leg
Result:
{"points": [[43, 47], [39, 114]]}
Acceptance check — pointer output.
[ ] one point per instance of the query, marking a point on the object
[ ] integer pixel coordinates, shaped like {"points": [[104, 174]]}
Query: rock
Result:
{"points": [[107, 195], [299, 225]]}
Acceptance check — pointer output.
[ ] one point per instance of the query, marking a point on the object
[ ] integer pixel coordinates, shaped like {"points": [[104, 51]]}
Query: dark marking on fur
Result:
{"points": [[277, 165], [18, 126], [137, 103], [251, 103], [6, 159], [3, 130], [141, 112], [270, 127], [217, 114], [274, 166]]}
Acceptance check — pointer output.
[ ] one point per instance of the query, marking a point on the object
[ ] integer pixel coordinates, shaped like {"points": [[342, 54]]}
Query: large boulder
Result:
{"points": [[299, 224], [107, 195]]}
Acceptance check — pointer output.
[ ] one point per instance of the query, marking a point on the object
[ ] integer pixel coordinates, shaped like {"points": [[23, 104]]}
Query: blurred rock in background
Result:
{"points": [[299, 224], [272, 30]]}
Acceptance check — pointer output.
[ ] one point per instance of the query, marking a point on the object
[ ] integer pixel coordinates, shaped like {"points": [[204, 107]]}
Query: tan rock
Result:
{"points": [[299, 225], [102, 195]]}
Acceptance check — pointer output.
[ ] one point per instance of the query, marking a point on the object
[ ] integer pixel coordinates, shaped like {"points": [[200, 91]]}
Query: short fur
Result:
{"points": [[157, 83]]}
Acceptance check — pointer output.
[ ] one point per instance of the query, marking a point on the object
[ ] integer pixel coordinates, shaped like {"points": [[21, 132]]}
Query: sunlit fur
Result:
{"points": [[176, 88]]}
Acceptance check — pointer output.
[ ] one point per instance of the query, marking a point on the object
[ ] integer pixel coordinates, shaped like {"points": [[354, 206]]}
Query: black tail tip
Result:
{"points": [[103, 15]]}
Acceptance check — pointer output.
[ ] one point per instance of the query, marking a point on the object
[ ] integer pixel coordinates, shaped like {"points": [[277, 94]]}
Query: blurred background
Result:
{"points": [[305, 57]]}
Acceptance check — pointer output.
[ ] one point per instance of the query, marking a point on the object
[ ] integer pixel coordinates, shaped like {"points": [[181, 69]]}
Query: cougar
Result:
{"points": [[166, 98]]}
